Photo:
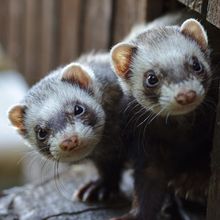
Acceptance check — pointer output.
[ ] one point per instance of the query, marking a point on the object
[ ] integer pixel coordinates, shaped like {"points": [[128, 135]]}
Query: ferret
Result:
{"points": [[73, 114], [167, 74]]}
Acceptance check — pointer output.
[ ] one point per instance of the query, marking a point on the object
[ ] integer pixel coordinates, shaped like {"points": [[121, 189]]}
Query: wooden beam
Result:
{"points": [[48, 36], [195, 5], [213, 14], [96, 25], [213, 212], [32, 40], [16, 40], [52, 199], [154, 9], [126, 14], [69, 29], [4, 17]]}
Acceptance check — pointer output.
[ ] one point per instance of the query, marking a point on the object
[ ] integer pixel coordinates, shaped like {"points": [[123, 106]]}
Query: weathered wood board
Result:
{"points": [[213, 13], [214, 188], [195, 5], [52, 200]]}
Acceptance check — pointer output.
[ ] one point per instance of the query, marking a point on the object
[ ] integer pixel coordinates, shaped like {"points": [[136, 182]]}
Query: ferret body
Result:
{"points": [[73, 114], [166, 72]]}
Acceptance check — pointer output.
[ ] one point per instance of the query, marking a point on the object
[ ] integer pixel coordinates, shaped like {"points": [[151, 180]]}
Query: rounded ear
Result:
{"points": [[121, 56], [192, 28], [16, 116], [75, 74]]}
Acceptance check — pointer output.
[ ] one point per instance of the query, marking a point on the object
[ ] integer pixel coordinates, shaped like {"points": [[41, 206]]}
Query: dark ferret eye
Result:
{"points": [[79, 110], [151, 80], [196, 65], [42, 134]]}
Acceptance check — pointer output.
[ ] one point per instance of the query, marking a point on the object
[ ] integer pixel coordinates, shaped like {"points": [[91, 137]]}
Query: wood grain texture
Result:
{"points": [[154, 9], [213, 14], [48, 36], [195, 5], [32, 40], [4, 22], [126, 14], [16, 40], [69, 29], [52, 199], [213, 212], [96, 24]]}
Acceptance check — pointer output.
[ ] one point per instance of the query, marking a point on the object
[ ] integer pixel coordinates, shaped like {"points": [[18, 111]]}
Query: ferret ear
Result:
{"points": [[75, 74], [16, 116], [195, 30], [121, 56]]}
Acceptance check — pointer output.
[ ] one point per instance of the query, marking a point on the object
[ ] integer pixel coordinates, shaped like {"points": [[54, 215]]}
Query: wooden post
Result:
{"points": [[96, 25], [213, 212], [69, 30]]}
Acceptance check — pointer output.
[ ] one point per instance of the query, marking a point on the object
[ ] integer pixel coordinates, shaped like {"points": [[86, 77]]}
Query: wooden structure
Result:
{"points": [[42, 34], [210, 11]]}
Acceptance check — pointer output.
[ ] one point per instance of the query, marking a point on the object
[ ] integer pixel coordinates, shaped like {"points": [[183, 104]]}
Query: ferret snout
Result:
{"points": [[186, 97], [70, 143]]}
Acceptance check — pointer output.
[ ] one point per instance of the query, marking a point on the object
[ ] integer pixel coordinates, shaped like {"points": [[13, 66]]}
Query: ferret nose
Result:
{"points": [[185, 98], [69, 144]]}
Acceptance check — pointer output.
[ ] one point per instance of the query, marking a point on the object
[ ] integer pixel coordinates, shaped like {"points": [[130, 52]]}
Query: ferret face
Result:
{"points": [[65, 121], [173, 82], [168, 70]]}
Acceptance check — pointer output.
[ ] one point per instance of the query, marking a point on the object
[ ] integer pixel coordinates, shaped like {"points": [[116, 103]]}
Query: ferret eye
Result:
{"points": [[79, 110], [152, 79], [42, 134], [196, 65]]}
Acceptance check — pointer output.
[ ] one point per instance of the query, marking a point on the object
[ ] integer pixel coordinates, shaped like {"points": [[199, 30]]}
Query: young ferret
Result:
{"points": [[166, 72], [73, 114]]}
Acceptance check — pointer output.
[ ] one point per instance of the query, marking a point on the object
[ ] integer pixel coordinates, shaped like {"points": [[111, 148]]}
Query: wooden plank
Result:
{"points": [[52, 199], [195, 5], [15, 46], [32, 40], [69, 30], [213, 212], [126, 14], [154, 9], [4, 22], [96, 26], [213, 14], [48, 36]]}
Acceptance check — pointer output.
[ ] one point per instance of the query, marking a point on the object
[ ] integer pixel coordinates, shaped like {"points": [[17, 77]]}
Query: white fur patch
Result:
{"points": [[54, 101], [88, 138], [170, 91]]}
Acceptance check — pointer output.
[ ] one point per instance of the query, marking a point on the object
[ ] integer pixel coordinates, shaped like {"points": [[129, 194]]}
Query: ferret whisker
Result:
{"points": [[132, 109], [140, 116], [27, 154], [32, 161], [56, 177], [157, 115], [43, 167], [133, 117], [59, 186], [149, 109], [129, 105], [167, 116]]}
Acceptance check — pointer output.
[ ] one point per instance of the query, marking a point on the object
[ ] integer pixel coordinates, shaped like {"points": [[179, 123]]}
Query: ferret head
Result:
{"points": [[166, 69], [61, 115]]}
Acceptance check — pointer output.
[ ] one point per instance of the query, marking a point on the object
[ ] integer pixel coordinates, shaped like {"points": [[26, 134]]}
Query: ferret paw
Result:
{"points": [[95, 191]]}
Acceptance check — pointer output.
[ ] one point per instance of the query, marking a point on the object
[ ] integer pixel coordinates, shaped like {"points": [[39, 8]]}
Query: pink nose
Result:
{"points": [[69, 144], [185, 98]]}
